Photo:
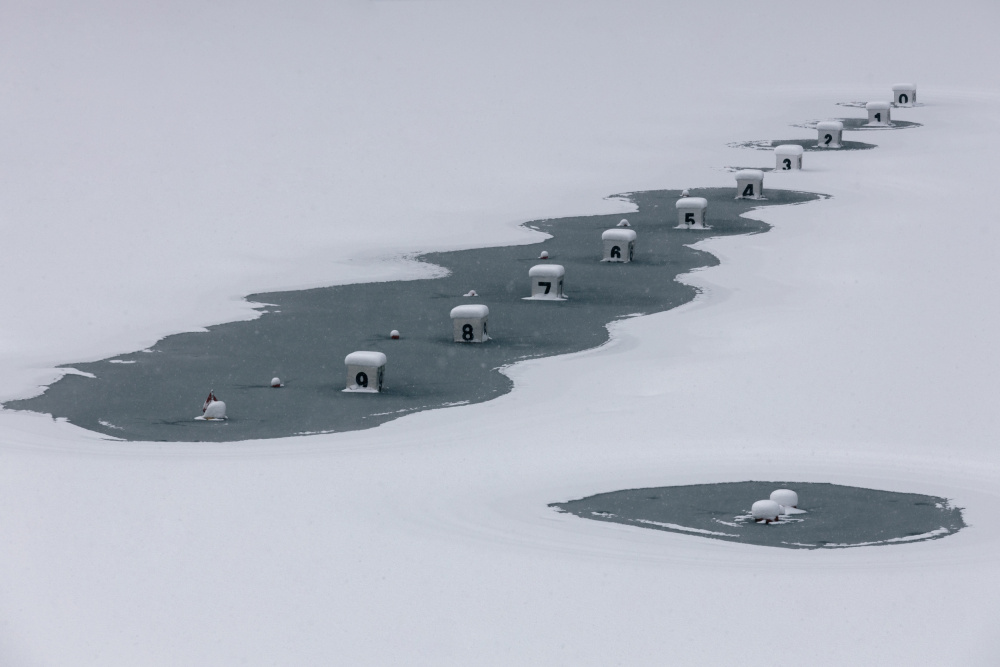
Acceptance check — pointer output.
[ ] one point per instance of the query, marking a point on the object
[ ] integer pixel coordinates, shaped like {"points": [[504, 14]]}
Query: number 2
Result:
{"points": [[827, 139]]}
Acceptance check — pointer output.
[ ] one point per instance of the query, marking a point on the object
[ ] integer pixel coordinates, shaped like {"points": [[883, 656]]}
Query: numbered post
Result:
{"points": [[547, 281], [365, 372], [904, 94], [750, 184], [619, 245], [878, 113], [469, 323], [788, 157], [830, 134], [691, 212]]}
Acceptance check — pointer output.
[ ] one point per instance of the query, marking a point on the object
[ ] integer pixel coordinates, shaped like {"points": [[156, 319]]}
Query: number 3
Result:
{"points": [[787, 163]]}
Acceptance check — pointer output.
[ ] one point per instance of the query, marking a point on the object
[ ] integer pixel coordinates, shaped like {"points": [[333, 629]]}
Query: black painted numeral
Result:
{"points": [[827, 139], [748, 190], [616, 252], [903, 98], [547, 286], [361, 379], [631, 250], [689, 218], [467, 332], [878, 117], [787, 163]]}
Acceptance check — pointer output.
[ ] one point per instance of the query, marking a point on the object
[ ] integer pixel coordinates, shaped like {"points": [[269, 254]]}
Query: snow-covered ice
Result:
{"points": [[327, 144]]}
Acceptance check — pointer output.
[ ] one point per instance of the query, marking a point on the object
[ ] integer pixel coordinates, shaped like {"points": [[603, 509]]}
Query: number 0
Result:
{"points": [[903, 99]]}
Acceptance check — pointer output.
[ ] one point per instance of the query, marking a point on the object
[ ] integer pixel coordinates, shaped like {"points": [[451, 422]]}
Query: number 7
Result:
{"points": [[547, 286]]}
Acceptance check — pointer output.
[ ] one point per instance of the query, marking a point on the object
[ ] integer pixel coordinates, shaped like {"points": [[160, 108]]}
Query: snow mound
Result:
{"points": [[365, 358], [547, 271], [469, 311], [625, 235]]}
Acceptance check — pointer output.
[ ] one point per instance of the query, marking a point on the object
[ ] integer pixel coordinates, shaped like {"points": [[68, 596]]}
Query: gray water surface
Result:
{"points": [[835, 517], [304, 336]]}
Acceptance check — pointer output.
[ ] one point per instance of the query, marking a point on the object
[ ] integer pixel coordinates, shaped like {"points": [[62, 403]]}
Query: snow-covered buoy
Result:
{"points": [[623, 223], [215, 410], [830, 133], [788, 157], [619, 245], [365, 371], [691, 212], [904, 94], [394, 334], [765, 510], [275, 383], [469, 323], [878, 113], [685, 193], [544, 255], [749, 184], [547, 281], [471, 292], [785, 497]]}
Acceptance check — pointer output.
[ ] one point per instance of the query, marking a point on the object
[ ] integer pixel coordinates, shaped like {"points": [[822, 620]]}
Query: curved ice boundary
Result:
{"points": [[835, 516], [303, 336]]}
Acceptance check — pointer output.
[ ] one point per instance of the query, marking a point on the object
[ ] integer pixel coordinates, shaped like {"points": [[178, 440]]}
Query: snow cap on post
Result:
{"points": [[904, 94], [788, 157], [830, 133], [365, 371], [749, 184], [785, 497], [469, 323], [765, 510], [547, 282], [364, 358], [470, 310]]}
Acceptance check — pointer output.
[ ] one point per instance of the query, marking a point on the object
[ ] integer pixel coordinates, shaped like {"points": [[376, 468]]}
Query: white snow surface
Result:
{"points": [[878, 105], [903, 87], [830, 125], [749, 175], [619, 235], [469, 311], [365, 358], [547, 271], [328, 143]]}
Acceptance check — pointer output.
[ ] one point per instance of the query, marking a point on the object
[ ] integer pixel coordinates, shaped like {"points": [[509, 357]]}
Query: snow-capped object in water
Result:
{"points": [[470, 310], [904, 94], [765, 510], [878, 113], [394, 334], [619, 245], [471, 292], [749, 184], [618, 235], [365, 358], [785, 497], [544, 255], [624, 223], [830, 133], [215, 410], [685, 193], [275, 383], [691, 212], [788, 157], [547, 282]]}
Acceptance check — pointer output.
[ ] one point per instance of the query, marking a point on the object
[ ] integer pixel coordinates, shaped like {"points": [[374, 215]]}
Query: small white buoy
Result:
{"points": [[624, 223], [469, 323], [365, 371], [547, 281], [215, 410], [685, 193], [619, 245], [544, 255], [830, 133], [765, 510], [749, 184], [785, 497], [788, 157], [878, 113], [471, 292], [394, 334], [904, 94], [276, 383], [691, 212]]}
